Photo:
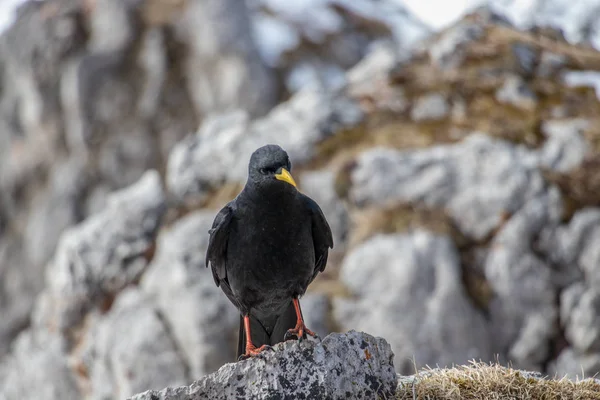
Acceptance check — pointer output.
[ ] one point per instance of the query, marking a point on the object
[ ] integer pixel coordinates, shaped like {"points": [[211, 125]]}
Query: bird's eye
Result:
{"points": [[268, 170]]}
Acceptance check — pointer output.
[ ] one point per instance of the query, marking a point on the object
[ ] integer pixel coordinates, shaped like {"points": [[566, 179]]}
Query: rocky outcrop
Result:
{"points": [[80, 328], [218, 153], [413, 283], [315, 45], [95, 93], [461, 184], [353, 365], [497, 168], [197, 315]]}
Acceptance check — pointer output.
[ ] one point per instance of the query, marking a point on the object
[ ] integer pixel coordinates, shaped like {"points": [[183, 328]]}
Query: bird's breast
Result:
{"points": [[271, 253]]}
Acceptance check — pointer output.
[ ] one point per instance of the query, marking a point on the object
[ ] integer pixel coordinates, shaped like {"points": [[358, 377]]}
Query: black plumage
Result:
{"points": [[266, 246]]}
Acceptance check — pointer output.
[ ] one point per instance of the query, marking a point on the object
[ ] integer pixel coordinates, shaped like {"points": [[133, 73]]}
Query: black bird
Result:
{"points": [[266, 246]]}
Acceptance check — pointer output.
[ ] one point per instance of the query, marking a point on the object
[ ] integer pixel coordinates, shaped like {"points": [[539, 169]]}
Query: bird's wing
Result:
{"points": [[321, 233], [216, 254]]}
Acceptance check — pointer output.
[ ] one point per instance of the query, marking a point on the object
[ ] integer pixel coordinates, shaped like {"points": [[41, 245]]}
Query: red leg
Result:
{"points": [[251, 350], [300, 329]]}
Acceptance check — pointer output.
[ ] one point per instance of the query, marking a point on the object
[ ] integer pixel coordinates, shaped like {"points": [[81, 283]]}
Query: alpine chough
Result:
{"points": [[265, 247]]}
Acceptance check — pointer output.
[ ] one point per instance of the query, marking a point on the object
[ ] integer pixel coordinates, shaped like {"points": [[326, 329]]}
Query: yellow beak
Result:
{"points": [[286, 177]]}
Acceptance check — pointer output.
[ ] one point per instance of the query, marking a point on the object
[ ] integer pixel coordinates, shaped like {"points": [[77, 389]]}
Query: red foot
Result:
{"points": [[299, 332], [300, 329], [252, 350]]}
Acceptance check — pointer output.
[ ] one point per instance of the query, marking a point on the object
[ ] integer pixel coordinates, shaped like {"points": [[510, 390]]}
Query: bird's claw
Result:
{"points": [[287, 336], [299, 332], [254, 351]]}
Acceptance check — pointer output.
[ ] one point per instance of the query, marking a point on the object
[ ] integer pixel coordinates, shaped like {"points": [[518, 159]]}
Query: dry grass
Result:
{"points": [[480, 381]]}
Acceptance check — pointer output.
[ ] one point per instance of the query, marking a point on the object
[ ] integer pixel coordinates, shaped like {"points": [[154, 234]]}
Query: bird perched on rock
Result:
{"points": [[266, 246]]}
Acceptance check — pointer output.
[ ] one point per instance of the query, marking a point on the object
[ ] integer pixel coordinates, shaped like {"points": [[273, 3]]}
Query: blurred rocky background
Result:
{"points": [[458, 166]]}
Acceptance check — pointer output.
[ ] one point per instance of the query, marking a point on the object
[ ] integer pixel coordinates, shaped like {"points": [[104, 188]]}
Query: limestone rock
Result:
{"points": [[131, 349], [94, 94], [227, 69], [351, 365], [429, 108], [102, 255], [477, 180], [517, 93], [201, 319], [221, 149], [315, 310], [577, 22], [574, 365], [37, 368], [566, 146], [315, 44], [580, 315], [320, 186], [524, 312], [408, 289]]}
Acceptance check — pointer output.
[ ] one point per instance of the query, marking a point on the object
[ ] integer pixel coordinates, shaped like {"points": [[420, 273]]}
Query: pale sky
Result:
{"points": [[440, 13]]}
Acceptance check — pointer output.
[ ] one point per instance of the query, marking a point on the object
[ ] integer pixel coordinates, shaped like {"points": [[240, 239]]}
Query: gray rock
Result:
{"points": [[315, 310], [583, 79], [524, 312], [320, 186], [23, 259], [408, 288], [17, 290], [448, 50], [375, 66], [515, 91], [33, 172], [471, 181], [573, 247], [125, 156], [477, 180], [565, 147], [221, 149], [550, 64], [111, 28], [86, 333], [201, 319], [53, 211], [580, 315], [316, 44], [87, 108], [369, 79], [577, 21], [131, 349], [38, 368], [573, 365], [526, 57], [351, 365], [225, 68], [430, 107], [102, 255], [316, 74]]}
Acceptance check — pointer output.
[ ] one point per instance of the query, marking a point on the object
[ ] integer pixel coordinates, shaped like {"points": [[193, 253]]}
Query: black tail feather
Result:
{"points": [[260, 336]]}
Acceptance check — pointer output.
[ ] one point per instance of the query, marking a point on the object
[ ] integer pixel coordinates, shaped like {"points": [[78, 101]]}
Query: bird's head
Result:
{"points": [[270, 167]]}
